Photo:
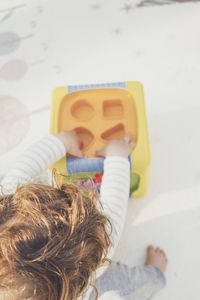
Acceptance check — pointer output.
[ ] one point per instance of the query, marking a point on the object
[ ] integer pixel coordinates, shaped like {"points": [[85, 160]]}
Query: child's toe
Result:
{"points": [[157, 250], [150, 249], [162, 252]]}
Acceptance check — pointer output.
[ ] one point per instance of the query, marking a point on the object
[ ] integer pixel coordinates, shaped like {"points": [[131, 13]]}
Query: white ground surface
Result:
{"points": [[80, 42]]}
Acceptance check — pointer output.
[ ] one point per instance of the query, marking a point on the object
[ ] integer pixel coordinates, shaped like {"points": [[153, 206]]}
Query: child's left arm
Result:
{"points": [[39, 157]]}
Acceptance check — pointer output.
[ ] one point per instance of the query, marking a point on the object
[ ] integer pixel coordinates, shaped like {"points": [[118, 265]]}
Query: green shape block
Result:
{"points": [[134, 182], [134, 179]]}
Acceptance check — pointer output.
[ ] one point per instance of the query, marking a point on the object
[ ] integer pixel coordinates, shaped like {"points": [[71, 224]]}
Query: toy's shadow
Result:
{"points": [[175, 148]]}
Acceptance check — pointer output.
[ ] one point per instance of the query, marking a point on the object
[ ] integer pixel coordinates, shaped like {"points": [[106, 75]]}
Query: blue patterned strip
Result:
{"points": [[86, 165], [74, 88]]}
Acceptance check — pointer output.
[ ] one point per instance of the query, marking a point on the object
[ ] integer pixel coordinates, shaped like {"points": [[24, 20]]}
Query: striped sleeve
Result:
{"points": [[35, 160], [115, 194]]}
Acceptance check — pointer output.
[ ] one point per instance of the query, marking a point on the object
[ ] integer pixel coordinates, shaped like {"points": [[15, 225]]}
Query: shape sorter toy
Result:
{"points": [[99, 113]]}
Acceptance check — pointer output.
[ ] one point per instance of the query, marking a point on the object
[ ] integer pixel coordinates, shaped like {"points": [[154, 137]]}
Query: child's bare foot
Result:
{"points": [[156, 258]]}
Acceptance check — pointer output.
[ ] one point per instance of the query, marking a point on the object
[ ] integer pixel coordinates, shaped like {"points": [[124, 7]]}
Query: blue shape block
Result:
{"points": [[129, 159], [86, 165]]}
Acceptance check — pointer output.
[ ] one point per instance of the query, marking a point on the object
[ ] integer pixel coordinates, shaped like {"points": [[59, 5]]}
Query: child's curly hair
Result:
{"points": [[51, 242]]}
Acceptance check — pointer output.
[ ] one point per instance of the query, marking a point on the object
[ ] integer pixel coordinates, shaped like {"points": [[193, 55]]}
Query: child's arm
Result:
{"points": [[115, 194], [39, 157], [116, 185]]}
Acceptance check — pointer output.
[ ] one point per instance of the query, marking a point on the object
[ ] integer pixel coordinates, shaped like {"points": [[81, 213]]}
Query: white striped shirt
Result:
{"points": [[32, 167], [120, 282]]}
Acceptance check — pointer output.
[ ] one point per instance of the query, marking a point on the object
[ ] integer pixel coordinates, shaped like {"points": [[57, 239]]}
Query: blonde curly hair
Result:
{"points": [[52, 239]]}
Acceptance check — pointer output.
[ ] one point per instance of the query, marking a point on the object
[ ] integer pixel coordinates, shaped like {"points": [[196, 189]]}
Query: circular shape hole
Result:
{"points": [[82, 110]]}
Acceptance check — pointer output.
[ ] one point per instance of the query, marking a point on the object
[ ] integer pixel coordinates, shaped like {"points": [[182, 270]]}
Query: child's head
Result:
{"points": [[51, 241]]}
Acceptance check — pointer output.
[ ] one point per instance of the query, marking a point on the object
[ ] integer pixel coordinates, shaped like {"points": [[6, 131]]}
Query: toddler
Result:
{"points": [[56, 243]]}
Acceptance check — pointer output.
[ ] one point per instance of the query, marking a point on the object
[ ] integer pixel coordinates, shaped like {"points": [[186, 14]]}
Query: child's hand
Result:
{"points": [[117, 148], [71, 142]]}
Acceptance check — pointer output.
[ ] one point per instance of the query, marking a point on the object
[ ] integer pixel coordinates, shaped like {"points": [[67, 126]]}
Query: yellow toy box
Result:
{"points": [[99, 113]]}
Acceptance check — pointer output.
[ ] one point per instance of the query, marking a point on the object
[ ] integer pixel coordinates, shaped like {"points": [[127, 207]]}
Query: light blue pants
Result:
{"points": [[136, 283]]}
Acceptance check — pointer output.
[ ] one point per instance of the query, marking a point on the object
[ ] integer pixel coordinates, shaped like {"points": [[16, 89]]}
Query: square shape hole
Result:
{"points": [[112, 108]]}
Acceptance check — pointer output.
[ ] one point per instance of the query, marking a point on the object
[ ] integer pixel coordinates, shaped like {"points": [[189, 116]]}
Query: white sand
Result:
{"points": [[75, 42]]}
